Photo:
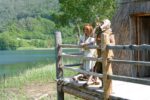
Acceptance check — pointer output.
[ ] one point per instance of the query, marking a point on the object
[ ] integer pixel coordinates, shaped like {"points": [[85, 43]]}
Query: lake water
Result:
{"points": [[11, 57], [12, 62]]}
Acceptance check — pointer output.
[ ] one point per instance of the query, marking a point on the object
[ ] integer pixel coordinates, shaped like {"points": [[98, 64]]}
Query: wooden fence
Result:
{"points": [[106, 62]]}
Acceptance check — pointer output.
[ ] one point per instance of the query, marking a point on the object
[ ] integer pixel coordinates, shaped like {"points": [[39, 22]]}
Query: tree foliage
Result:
{"points": [[7, 42], [86, 10], [26, 23], [33, 22]]}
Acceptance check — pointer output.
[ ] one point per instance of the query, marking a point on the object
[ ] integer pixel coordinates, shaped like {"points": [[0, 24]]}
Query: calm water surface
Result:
{"points": [[12, 62]]}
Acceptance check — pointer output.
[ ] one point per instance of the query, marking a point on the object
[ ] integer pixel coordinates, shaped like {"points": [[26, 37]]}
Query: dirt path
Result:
{"points": [[34, 91], [37, 91]]}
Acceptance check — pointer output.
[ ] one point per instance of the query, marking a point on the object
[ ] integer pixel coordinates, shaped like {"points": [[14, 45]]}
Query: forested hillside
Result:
{"points": [[31, 23], [26, 23]]}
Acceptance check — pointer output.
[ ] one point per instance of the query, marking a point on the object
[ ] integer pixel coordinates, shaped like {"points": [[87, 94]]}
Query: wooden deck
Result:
{"points": [[120, 91], [131, 91]]}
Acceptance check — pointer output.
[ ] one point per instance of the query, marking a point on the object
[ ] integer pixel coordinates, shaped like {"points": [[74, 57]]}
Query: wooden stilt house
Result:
{"points": [[131, 25]]}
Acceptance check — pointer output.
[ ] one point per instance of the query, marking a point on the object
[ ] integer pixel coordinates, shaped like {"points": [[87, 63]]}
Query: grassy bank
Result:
{"points": [[43, 74], [40, 75], [13, 87], [19, 80]]}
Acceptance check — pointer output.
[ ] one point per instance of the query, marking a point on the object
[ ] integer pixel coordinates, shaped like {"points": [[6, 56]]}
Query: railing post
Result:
{"points": [[59, 69], [107, 69]]}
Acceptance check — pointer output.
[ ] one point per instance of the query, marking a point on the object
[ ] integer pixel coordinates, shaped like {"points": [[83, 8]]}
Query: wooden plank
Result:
{"points": [[117, 47], [129, 79], [78, 46], [130, 91], [86, 93], [59, 70], [129, 47], [131, 62], [72, 65], [85, 72], [81, 57], [132, 41], [80, 93], [90, 89], [129, 1]]}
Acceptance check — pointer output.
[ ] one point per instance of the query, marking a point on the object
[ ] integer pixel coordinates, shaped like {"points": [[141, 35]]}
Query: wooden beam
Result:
{"points": [[129, 1], [140, 14], [59, 69], [116, 47], [129, 79], [72, 65], [80, 93], [81, 57], [77, 89], [129, 47], [131, 62], [78, 46], [70, 46], [86, 93]]}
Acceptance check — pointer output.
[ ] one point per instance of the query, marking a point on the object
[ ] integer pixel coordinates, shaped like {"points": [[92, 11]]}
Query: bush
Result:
{"points": [[13, 44], [68, 36], [8, 43], [4, 44], [38, 43]]}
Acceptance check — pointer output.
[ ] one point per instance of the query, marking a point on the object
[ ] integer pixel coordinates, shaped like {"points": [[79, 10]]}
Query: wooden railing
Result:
{"points": [[106, 62]]}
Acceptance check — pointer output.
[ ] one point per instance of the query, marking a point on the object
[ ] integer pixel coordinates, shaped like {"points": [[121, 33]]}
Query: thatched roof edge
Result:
{"points": [[129, 1], [137, 8]]}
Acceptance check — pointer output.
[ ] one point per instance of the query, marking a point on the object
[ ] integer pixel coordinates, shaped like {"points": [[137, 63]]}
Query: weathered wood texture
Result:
{"points": [[87, 93], [58, 41], [145, 63], [115, 47], [113, 77], [129, 79], [129, 47], [78, 46], [130, 24], [129, 1], [59, 70], [72, 65], [80, 93], [81, 57]]}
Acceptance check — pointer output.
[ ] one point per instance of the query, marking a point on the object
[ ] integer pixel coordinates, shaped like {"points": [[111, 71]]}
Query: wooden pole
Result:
{"points": [[59, 69], [107, 69]]}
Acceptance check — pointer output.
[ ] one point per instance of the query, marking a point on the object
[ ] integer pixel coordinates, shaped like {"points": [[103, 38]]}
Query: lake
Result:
{"points": [[11, 57], [13, 62]]}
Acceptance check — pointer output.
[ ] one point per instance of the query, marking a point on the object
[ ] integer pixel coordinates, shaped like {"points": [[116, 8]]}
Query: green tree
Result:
{"points": [[7, 42], [86, 10]]}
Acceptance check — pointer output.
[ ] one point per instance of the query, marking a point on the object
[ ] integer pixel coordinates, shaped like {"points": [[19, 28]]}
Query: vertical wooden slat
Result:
{"points": [[133, 41], [138, 43], [107, 70], [59, 70]]}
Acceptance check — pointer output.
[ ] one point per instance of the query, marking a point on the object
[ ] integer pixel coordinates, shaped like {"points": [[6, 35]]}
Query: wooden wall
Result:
{"points": [[125, 26]]}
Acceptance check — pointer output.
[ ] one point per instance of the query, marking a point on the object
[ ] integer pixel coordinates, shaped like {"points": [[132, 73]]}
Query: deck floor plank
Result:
{"points": [[120, 89], [131, 91]]}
